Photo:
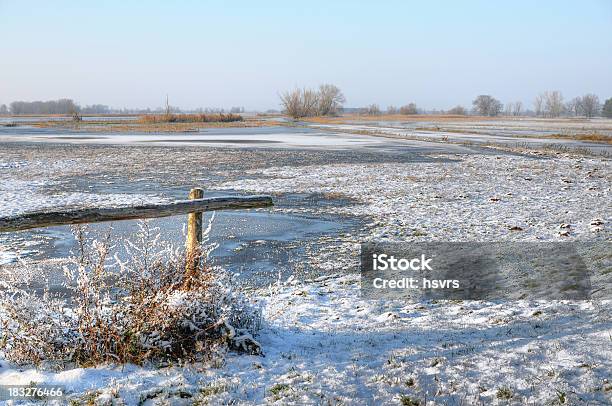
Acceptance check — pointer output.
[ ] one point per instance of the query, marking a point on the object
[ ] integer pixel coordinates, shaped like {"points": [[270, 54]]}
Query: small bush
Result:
{"points": [[190, 118], [150, 310]]}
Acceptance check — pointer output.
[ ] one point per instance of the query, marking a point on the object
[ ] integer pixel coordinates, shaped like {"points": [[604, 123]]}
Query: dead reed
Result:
{"points": [[190, 118]]}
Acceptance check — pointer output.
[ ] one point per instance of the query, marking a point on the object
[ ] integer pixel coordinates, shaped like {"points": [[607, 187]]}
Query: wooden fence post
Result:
{"points": [[194, 234]]}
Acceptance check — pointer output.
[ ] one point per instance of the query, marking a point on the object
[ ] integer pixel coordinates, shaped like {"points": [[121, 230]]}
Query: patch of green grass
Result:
{"points": [[406, 400], [504, 393], [212, 389], [278, 388], [561, 397], [89, 399]]}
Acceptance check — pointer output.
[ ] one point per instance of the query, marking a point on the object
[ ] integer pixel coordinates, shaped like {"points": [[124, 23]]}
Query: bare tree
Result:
{"points": [[310, 103], [372, 110], [458, 110], [392, 110], [538, 104], [574, 106], [606, 111], [590, 105], [330, 100], [487, 105], [553, 103], [410, 108], [518, 108], [4, 109], [292, 103], [327, 100]]}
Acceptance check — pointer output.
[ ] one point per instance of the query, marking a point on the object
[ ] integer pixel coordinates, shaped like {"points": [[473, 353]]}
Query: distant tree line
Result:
{"points": [[371, 110], [61, 106], [410, 108], [218, 110], [458, 110], [95, 109], [545, 104], [551, 104], [328, 100], [68, 106], [374, 110]]}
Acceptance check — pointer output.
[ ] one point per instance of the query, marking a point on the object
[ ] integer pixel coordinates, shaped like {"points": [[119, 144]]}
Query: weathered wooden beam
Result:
{"points": [[96, 215]]}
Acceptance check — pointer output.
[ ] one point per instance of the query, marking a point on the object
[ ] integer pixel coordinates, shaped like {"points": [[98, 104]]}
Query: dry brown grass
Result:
{"points": [[123, 126], [190, 118], [592, 137], [345, 118], [397, 117]]}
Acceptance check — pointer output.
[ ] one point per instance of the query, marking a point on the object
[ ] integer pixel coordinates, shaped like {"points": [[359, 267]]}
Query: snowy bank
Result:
{"points": [[323, 343]]}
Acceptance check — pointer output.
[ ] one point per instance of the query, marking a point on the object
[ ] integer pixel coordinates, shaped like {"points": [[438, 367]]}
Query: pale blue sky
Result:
{"points": [[436, 53]]}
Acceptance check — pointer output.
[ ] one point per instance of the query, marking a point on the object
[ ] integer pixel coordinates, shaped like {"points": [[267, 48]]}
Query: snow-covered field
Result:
{"points": [[502, 126], [18, 197], [324, 344], [24, 194], [475, 197], [535, 133]]}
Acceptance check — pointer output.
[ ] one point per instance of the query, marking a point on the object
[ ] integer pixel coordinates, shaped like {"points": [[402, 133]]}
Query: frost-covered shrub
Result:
{"points": [[135, 310]]}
